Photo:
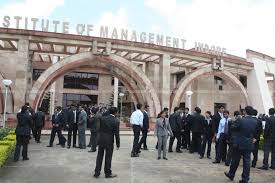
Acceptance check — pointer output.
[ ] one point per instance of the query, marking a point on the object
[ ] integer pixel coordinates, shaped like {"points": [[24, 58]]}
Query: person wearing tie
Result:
{"points": [[162, 131], [222, 138], [72, 120], [216, 121]]}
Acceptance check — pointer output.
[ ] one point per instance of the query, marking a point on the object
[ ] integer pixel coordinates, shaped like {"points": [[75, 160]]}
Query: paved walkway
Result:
{"points": [[60, 165]]}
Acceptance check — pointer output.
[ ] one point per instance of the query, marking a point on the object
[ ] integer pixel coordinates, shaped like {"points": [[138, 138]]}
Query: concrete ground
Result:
{"points": [[62, 165]]}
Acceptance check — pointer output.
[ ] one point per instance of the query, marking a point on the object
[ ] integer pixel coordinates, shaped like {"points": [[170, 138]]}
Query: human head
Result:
{"points": [[139, 106], [146, 107], [248, 110], [208, 114], [40, 109], [94, 110], [236, 113], [271, 111], [176, 109], [73, 107], [27, 104], [58, 108], [198, 110], [186, 110], [221, 109], [113, 111], [226, 113], [24, 108], [255, 112], [162, 114]]}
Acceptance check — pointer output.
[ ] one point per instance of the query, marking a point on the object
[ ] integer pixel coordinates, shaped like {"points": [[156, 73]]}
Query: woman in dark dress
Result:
{"points": [[23, 131]]}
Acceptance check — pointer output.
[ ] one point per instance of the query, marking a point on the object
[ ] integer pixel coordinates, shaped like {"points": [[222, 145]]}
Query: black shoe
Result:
{"points": [[63, 146], [272, 168], [241, 181], [38, 142], [253, 166], [26, 159], [138, 151], [201, 157], [226, 164], [49, 145], [134, 155], [158, 158], [96, 175], [209, 157], [82, 148], [228, 176], [110, 176], [92, 151], [68, 147], [15, 160], [89, 145], [74, 146], [216, 162], [170, 151], [263, 168], [178, 151], [145, 148], [165, 158]]}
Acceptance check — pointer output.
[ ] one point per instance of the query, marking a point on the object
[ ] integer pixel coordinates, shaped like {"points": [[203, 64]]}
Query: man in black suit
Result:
{"points": [[71, 119], [39, 122], [269, 141], [109, 128], [175, 124], [244, 145], [57, 122], [144, 128], [94, 125], [216, 119], [197, 128], [185, 135], [259, 132]]}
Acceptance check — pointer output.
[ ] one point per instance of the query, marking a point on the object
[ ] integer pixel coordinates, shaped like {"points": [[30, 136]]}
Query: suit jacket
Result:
{"points": [[246, 128], [69, 117], [269, 132], [259, 129], [209, 129], [39, 119], [186, 123], [197, 123], [109, 128], [216, 119], [163, 129], [94, 123], [82, 120], [24, 122], [145, 121], [175, 122], [58, 119]]}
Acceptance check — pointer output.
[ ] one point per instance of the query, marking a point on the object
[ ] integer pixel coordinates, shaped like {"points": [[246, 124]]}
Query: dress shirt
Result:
{"points": [[221, 115], [222, 127], [137, 118], [74, 116]]}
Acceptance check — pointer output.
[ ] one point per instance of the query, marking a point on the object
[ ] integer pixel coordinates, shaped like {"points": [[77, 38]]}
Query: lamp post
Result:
{"points": [[6, 83], [189, 94], [121, 95]]}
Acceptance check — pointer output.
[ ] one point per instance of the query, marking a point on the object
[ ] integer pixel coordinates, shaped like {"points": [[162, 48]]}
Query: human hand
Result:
{"points": [[254, 141]]}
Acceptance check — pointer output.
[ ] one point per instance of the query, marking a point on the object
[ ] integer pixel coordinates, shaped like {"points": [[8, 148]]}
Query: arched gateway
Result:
{"points": [[118, 65], [181, 88]]}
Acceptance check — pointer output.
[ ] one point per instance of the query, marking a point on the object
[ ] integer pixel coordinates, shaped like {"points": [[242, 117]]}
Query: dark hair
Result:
{"points": [[176, 108], [27, 104], [249, 110], [113, 110], [226, 111], [236, 113], [186, 108], [58, 108], [221, 106], [146, 106], [139, 106], [24, 108], [165, 109], [208, 112], [271, 111], [255, 112], [40, 108], [198, 110]]}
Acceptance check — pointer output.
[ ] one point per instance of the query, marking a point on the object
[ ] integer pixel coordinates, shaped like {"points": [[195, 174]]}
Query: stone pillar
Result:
{"points": [[21, 76], [115, 92], [164, 81], [150, 72]]}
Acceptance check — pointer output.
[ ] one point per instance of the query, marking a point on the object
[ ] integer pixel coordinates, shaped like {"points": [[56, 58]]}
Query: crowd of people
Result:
{"points": [[234, 138]]}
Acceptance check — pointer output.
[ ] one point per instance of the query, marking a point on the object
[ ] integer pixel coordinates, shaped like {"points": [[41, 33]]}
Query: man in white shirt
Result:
{"points": [[137, 123], [222, 138]]}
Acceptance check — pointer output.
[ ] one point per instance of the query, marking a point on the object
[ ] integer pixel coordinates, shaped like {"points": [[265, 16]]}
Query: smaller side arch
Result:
{"points": [[181, 87]]}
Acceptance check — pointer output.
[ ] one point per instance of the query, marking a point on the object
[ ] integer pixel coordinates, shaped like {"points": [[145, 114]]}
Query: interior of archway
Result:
{"points": [[210, 91], [62, 94]]}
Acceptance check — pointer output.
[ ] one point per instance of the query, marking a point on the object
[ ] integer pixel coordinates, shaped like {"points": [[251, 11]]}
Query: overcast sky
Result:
{"points": [[234, 24]]}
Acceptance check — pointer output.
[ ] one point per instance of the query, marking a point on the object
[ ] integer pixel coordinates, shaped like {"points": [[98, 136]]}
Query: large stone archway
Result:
{"points": [[113, 62], [10, 100], [182, 85]]}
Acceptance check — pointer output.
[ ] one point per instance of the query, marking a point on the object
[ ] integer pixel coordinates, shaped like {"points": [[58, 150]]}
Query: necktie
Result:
{"points": [[226, 127], [163, 123]]}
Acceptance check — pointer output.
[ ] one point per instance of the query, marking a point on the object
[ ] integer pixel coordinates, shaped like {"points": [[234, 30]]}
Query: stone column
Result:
{"points": [[164, 81], [21, 76], [150, 72], [115, 92]]}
